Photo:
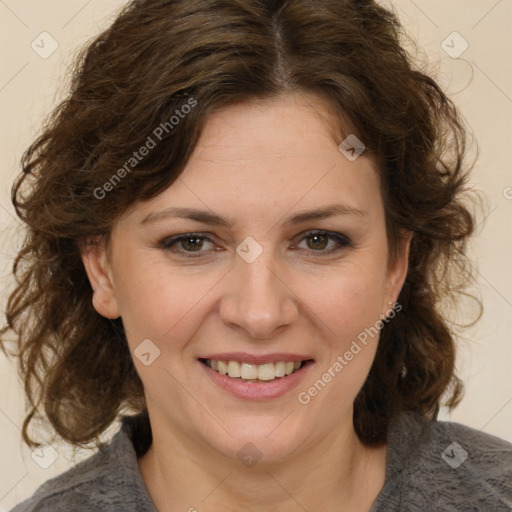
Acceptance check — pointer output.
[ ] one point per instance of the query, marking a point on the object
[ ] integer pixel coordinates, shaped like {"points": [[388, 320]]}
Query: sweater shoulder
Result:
{"points": [[108, 480], [72, 489], [444, 465]]}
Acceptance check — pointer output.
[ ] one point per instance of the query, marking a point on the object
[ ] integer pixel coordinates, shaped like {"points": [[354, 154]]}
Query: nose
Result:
{"points": [[258, 300]]}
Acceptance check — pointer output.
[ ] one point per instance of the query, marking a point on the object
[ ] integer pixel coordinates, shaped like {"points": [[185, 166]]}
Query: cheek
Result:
{"points": [[160, 304], [346, 300], [348, 308]]}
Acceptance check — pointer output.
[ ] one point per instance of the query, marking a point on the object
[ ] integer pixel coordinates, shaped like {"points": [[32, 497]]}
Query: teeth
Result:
{"points": [[222, 367], [266, 371], [280, 369], [234, 369], [248, 371]]}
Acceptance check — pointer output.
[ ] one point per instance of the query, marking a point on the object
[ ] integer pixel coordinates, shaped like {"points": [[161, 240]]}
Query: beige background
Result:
{"points": [[480, 82]]}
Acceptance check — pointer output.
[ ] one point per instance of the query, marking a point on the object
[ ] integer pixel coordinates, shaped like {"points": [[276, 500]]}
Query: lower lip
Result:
{"points": [[264, 390]]}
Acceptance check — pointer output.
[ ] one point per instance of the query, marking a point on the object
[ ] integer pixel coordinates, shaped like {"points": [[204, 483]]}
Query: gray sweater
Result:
{"points": [[431, 466]]}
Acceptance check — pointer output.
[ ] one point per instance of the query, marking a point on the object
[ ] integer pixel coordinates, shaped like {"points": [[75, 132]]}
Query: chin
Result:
{"points": [[269, 440]]}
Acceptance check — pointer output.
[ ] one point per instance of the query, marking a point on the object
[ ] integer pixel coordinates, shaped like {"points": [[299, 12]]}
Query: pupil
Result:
{"points": [[321, 237], [193, 245]]}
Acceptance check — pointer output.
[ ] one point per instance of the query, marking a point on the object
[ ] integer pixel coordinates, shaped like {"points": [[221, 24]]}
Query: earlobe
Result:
{"points": [[95, 260]]}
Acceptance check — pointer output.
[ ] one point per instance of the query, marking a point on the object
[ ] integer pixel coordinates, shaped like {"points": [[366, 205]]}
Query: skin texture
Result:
{"points": [[256, 164]]}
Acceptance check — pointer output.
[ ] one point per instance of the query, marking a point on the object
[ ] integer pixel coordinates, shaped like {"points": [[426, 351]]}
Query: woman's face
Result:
{"points": [[254, 284]]}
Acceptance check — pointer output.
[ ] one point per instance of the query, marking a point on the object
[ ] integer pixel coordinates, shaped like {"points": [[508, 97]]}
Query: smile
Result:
{"points": [[249, 372]]}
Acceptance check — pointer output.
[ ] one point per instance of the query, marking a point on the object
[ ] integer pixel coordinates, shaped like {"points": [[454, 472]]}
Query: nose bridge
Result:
{"points": [[258, 301]]}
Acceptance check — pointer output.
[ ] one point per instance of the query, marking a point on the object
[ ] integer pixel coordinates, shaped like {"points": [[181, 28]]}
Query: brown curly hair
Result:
{"points": [[77, 369]]}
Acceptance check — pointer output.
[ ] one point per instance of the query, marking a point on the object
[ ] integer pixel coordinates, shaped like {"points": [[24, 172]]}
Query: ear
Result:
{"points": [[95, 257], [397, 271]]}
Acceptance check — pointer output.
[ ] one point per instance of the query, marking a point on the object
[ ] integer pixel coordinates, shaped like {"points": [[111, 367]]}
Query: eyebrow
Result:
{"points": [[213, 219]]}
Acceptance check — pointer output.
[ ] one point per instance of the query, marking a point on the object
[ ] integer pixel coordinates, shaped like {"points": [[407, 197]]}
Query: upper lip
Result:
{"points": [[244, 357]]}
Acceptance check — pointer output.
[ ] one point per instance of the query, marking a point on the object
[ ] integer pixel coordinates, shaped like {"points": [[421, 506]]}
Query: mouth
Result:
{"points": [[259, 377], [249, 372]]}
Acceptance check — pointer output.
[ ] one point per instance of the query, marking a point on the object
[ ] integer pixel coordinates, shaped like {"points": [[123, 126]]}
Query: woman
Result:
{"points": [[241, 224]]}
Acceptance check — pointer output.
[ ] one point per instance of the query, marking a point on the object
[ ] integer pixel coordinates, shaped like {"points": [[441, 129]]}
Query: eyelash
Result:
{"points": [[169, 242]]}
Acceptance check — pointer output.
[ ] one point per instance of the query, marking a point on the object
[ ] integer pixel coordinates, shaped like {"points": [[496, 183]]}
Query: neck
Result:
{"points": [[182, 474]]}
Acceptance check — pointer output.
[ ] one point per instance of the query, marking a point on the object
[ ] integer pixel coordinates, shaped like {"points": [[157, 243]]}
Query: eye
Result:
{"points": [[319, 241], [191, 245], [186, 244]]}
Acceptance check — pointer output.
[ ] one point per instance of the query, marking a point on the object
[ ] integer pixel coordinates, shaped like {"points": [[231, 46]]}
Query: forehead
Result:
{"points": [[266, 155], [291, 123]]}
